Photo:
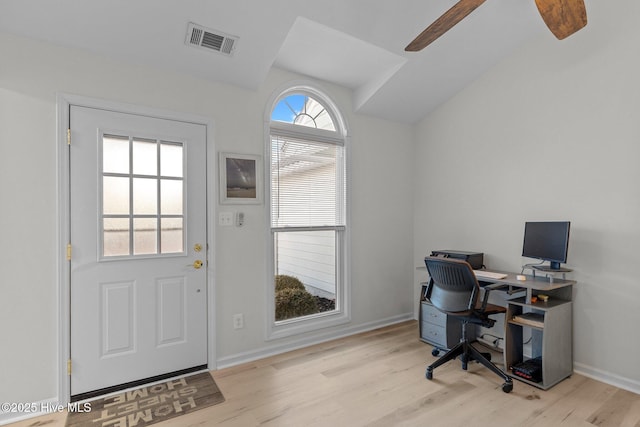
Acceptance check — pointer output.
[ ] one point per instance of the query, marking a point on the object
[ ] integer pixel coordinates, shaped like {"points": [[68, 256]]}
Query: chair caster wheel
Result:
{"points": [[435, 352], [429, 374], [507, 387], [465, 360]]}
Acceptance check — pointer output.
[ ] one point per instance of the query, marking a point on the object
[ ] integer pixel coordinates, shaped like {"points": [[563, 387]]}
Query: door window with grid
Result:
{"points": [[142, 197]]}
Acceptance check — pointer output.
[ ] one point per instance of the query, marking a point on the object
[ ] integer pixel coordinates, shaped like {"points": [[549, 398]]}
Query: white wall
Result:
{"points": [[552, 133], [32, 73]]}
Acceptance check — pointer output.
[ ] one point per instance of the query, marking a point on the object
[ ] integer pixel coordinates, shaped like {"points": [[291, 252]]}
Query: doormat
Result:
{"points": [[148, 405]]}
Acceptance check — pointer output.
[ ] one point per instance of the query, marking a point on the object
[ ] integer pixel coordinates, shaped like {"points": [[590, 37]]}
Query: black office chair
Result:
{"points": [[454, 290]]}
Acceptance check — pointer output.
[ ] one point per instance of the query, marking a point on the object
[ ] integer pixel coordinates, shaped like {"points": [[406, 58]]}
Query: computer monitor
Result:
{"points": [[548, 241]]}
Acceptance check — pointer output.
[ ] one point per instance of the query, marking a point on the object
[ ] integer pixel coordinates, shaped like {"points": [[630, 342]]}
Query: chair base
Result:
{"points": [[467, 353]]}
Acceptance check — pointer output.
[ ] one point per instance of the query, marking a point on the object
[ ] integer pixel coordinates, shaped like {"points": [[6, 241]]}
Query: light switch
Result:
{"points": [[225, 219]]}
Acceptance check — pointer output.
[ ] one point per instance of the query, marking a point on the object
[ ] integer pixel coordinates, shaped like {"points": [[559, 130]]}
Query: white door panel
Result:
{"points": [[138, 223]]}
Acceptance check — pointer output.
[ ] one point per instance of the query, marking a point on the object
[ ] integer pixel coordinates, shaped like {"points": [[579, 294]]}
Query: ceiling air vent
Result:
{"points": [[206, 38]]}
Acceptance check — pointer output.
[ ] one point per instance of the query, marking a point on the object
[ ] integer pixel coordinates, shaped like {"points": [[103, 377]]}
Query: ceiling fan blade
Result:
{"points": [[563, 17], [443, 24]]}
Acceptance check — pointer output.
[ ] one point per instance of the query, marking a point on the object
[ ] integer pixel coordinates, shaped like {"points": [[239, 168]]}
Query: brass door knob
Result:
{"points": [[197, 264]]}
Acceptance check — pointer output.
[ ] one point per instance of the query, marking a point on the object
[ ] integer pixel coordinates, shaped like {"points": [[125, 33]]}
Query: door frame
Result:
{"points": [[63, 103]]}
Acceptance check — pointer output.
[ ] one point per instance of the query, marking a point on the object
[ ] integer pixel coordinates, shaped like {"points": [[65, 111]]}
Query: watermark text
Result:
{"points": [[40, 407]]}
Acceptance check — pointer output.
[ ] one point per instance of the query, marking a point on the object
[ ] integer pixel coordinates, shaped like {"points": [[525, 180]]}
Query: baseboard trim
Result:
{"points": [[607, 377], [309, 340]]}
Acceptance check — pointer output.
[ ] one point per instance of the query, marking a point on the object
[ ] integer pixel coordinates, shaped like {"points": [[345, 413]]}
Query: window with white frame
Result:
{"points": [[308, 211]]}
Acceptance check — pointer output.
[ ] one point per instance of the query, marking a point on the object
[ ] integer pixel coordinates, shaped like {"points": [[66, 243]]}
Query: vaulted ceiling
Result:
{"points": [[358, 44]]}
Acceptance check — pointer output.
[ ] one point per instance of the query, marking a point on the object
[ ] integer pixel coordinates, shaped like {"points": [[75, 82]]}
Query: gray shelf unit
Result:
{"points": [[552, 342]]}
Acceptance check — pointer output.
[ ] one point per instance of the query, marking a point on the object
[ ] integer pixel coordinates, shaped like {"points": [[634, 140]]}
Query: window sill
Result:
{"points": [[299, 326]]}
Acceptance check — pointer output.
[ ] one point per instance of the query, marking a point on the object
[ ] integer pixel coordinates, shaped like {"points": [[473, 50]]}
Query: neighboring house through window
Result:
{"points": [[308, 213]]}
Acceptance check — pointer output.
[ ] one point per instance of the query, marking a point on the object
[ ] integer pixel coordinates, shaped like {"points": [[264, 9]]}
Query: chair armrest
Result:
{"points": [[485, 299], [427, 294]]}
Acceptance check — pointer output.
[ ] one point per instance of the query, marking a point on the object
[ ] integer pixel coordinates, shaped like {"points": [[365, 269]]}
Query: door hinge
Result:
{"points": [[69, 252], [68, 366], [68, 136]]}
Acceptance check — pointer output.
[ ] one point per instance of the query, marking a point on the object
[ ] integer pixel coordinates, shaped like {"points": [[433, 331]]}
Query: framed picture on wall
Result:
{"points": [[240, 179]]}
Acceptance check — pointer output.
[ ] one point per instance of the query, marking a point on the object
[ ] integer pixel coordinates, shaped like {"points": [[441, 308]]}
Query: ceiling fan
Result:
{"points": [[563, 17]]}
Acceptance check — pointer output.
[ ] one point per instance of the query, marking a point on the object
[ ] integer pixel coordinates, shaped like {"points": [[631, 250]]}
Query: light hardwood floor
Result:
{"points": [[377, 379]]}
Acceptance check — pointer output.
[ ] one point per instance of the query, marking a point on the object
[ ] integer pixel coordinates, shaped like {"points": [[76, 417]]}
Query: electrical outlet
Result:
{"points": [[225, 219], [238, 321]]}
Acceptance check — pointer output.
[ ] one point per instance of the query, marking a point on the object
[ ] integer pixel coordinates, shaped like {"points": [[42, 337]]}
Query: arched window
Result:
{"points": [[308, 211], [303, 110]]}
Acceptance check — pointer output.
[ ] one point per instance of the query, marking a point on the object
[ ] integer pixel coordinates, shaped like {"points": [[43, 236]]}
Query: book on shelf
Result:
{"points": [[531, 319]]}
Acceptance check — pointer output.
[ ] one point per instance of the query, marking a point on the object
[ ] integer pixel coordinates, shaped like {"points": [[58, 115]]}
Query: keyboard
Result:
{"points": [[482, 274]]}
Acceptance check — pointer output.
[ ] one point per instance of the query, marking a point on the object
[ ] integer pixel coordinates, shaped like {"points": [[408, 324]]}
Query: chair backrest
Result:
{"points": [[455, 288]]}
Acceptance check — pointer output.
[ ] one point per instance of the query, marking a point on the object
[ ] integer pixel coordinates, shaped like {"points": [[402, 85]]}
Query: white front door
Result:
{"points": [[138, 240]]}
